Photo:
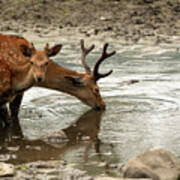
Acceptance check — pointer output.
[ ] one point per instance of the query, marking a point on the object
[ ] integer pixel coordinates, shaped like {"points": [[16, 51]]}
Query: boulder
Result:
{"points": [[156, 163], [110, 178], [6, 169]]}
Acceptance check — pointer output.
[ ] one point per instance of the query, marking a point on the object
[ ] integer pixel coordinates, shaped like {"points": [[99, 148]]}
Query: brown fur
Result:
{"points": [[10, 48], [17, 72], [5, 77], [56, 75]]}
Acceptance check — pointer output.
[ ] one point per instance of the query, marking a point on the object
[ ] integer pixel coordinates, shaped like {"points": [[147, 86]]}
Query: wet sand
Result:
{"points": [[128, 22]]}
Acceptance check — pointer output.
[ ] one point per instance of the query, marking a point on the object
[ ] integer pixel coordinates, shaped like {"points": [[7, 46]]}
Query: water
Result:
{"points": [[138, 116]]}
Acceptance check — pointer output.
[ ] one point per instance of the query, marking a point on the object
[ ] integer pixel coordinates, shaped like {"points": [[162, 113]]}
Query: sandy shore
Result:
{"points": [[127, 22]]}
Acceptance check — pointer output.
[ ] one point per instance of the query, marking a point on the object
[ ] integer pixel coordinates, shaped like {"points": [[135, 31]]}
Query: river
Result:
{"points": [[138, 116]]}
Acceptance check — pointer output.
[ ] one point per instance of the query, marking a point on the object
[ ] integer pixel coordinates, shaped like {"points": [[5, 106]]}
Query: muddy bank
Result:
{"points": [[127, 21], [49, 170]]}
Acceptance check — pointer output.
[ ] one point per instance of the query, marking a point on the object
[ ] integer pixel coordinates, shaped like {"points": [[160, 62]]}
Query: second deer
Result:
{"points": [[16, 78]]}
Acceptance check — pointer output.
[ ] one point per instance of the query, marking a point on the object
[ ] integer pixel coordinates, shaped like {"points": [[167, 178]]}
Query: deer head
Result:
{"points": [[39, 59], [85, 85]]}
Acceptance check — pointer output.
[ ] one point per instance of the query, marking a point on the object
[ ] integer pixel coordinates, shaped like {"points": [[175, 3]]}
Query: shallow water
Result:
{"points": [[138, 116]]}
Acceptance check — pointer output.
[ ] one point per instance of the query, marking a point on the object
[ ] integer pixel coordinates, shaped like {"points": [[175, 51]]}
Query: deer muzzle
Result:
{"points": [[102, 106]]}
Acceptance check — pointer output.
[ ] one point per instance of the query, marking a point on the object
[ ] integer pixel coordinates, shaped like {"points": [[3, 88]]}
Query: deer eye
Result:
{"points": [[31, 63], [96, 90], [46, 63]]}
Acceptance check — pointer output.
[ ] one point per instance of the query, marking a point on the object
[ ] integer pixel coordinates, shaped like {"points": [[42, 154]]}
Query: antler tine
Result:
{"points": [[32, 44], [85, 52], [46, 48], [32, 47], [104, 55]]}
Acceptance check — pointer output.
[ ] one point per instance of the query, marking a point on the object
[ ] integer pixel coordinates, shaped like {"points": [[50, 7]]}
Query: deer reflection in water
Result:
{"points": [[20, 150]]}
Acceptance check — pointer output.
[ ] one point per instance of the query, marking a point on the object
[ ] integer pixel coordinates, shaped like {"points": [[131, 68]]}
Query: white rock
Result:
{"points": [[156, 163], [6, 169]]}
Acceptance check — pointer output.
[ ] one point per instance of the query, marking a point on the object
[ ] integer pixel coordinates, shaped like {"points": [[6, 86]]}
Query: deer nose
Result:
{"points": [[102, 107], [39, 79]]}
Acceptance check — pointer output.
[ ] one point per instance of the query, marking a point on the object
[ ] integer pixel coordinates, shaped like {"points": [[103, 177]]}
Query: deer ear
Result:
{"points": [[26, 51], [54, 50], [76, 81]]}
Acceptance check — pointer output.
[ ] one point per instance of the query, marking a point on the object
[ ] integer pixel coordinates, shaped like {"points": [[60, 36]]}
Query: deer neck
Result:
{"points": [[22, 77], [55, 79]]}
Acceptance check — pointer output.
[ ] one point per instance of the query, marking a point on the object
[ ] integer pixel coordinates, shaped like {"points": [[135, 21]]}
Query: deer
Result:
{"points": [[80, 85], [16, 78]]}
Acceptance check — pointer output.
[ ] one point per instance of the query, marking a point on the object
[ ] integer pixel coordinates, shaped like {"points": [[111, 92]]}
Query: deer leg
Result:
{"points": [[4, 116], [15, 106]]}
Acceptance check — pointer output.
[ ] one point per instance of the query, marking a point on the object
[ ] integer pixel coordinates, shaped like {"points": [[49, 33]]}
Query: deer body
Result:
{"points": [[13, 82], [21, 66]]}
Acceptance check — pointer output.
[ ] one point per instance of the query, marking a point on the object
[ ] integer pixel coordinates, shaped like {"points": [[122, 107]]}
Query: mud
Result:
{"points": [[128, 21]]}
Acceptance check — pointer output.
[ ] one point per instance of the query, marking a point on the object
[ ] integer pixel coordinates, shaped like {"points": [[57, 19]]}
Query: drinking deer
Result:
{"points": [[81, 85], [15, 78]]}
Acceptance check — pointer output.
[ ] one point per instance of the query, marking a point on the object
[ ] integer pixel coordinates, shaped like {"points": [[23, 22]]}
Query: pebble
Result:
{"points": [[6, 169]]}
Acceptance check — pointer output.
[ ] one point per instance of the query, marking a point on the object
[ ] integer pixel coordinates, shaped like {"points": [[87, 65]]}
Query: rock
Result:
{"points": [[92, 32], [148, 1], [177, 9], [108, 28], [158, 164], [6, 169], [71, 173], [139, 21], [110, 178], [102, 18], [49, 170]]}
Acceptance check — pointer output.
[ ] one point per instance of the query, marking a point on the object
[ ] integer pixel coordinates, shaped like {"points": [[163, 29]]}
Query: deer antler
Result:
{"points": [[104, 55], [46, 48], [85, 52], [33, 49]]}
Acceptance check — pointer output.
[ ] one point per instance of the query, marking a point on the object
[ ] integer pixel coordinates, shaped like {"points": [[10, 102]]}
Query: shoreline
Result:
{"points": [[126, 22]]}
